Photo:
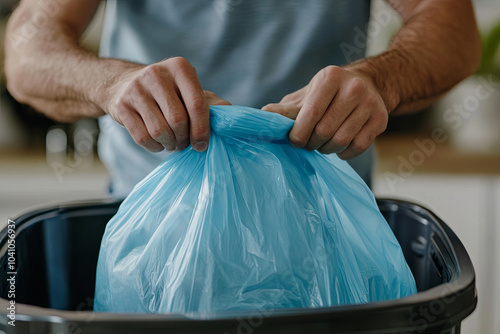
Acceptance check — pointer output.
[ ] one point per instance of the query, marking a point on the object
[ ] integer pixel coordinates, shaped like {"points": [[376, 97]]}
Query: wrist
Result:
{"points": [[115, 71], [370, 70]]}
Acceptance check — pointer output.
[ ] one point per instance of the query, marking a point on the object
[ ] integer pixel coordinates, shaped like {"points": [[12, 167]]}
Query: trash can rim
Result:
{"points": [[462, 287]]}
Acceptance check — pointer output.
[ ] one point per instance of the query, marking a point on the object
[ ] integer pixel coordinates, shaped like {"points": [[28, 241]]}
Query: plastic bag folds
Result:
{"points": [[250, 224]]}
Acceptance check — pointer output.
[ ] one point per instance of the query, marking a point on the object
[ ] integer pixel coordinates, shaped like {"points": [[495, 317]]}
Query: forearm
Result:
{"points": [[437, 47], [54, 74]]}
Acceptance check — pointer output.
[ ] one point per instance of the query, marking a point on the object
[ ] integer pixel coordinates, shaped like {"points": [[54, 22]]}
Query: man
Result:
{"points": [[281, 56]]}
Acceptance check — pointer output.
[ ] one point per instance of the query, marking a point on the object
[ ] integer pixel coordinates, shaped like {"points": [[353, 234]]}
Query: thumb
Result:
{"points": [[214, 99], [287, 110], [219, 102]]}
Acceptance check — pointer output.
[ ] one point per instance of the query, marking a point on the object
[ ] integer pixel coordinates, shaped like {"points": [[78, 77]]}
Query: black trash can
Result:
{"points": [[55, 257]]}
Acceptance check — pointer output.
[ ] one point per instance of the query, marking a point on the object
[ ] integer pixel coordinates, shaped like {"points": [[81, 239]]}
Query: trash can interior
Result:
{"points": [[57, 251]]}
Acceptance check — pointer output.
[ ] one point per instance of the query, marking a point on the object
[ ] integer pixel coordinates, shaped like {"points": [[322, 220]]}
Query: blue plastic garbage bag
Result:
{"points": [[252, 223]]}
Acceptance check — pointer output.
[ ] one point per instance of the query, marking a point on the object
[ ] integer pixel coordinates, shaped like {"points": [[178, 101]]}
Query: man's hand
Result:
{"points": [[162, 105], [339, 111]]}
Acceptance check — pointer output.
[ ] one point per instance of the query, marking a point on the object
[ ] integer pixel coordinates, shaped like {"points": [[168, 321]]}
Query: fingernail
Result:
{"points": [[200, 146]]}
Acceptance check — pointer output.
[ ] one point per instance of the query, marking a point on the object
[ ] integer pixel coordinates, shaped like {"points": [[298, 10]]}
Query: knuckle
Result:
{"points": [[169, 143], [178, 120], [180, 65], [357, 86], [341, 140], [333, 71], [142, 139], [152, 72], [200, 131], [323, 131], [314, 109], [383, 114], [158, 132], [382, 126], [118, 104], [132, 88], [381, 118], [361, 145], [198, 104], [371, 101], [179, 61]]}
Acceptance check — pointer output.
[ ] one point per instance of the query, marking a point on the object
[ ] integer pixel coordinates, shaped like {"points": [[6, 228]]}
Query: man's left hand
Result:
{"points": [[339, 111]]}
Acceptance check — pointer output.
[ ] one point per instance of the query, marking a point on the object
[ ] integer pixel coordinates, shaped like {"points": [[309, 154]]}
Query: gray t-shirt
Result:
{"points": [[249, 52]]}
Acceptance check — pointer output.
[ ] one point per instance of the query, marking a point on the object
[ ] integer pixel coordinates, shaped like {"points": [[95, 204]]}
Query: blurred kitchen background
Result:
{"points": [[444, 159]]}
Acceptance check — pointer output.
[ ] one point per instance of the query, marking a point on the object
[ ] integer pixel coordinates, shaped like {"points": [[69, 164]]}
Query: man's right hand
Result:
{"points": [[162, 105]]}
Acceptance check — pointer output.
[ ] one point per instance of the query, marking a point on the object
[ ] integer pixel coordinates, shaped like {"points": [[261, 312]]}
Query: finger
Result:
{"points": [[137, 129], [345, 106], [214, 100], [173, 112], [342, 138], [349, 153], [323, 132], [219, 102], [295, 97], [328, 129], [375, 125], [315, 105], [289, 106], [158, 127], [327, 126], [178, 120], [196, 106], [146, 106], [360, 143], [287, 110]]}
